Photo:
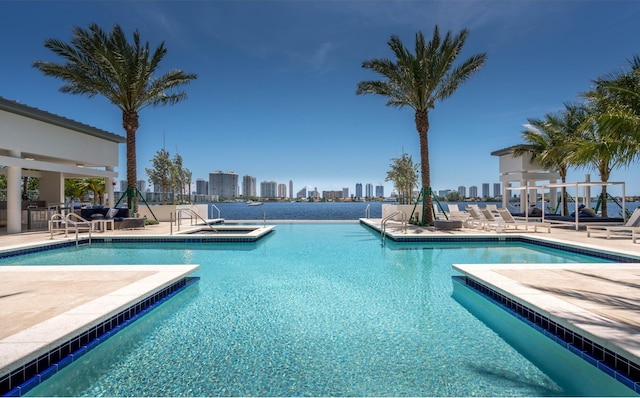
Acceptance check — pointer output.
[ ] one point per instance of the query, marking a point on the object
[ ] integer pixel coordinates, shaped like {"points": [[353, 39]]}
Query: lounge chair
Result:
{"points": [[632, 224], [456, 214], [507, 217], [437, 213], [491, 222], [476, 218]]}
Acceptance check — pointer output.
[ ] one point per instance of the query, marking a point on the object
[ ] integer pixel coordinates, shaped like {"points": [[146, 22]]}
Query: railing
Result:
{"points": [[383, 224], [218, 210], [60, 223], [192, 214], [367, 212]]}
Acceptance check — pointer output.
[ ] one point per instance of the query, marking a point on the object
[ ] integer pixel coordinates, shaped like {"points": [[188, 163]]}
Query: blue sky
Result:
{"points": [[275, 94]]}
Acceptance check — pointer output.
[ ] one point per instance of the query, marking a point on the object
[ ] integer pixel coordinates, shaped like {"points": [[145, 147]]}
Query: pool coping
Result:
{"points": [[24, 354], [615, 344]]}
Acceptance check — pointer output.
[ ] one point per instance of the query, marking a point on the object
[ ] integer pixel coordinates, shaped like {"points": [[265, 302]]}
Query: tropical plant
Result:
{"points": [[179, 176], [95, 185], [161, 172], [420, 80], [551, 140], [604, 144], [621, 92], [124, 73], [74, 188], [404, 175]]}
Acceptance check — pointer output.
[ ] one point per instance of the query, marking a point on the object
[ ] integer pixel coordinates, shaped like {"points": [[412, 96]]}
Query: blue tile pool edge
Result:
{"points": [[21, 380], [620, 368], [567, 247], [186, 238]]}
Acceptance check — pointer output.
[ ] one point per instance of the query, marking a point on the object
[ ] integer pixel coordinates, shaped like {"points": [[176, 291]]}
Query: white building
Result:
{"points": [[35, 143]]}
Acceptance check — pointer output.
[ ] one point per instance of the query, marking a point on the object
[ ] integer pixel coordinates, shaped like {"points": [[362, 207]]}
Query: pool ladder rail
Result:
{"points": [[383, 224], [191, 215]]}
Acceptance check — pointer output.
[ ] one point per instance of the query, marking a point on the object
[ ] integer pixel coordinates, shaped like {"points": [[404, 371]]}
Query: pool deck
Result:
{"points": [[42, 304]]}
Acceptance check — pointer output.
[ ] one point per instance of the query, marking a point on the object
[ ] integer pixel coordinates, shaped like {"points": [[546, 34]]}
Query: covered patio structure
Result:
{"points": [[519, 173], [35, 143]]}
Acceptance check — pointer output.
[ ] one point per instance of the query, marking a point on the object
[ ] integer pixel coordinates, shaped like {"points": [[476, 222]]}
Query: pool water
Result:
{"points": [[322, 310]]}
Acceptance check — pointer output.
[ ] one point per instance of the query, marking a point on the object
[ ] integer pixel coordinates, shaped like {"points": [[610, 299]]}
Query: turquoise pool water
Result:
{"points": [[323, 310]]}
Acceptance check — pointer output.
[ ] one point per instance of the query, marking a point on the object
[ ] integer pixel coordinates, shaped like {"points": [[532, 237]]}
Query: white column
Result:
{"points": [[14, 197], [586, 192], [553, 195], [109, 181]]}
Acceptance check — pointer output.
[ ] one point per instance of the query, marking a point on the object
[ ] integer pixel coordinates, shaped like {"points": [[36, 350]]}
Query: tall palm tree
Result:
{"points": [[418, 81], [550, 141], [124, 73]]}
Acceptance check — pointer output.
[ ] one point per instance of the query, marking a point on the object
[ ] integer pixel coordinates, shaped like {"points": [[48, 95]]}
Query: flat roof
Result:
{"points": [[50, 118]]}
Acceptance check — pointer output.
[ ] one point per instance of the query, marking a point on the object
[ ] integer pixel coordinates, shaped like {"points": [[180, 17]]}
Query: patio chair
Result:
{"points": [[476, 218], [508, 219], [456, 214], [632, 224]]}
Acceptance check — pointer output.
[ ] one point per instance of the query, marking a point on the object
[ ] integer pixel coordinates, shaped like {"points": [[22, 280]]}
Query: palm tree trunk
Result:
{"points": [[604, 200], [130, 124], [422, 125]]}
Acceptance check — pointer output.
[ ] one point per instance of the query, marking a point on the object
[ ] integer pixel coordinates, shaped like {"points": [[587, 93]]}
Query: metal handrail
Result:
{"points": [[383, 223], [367, 211], [191, 215], [216, 207]]}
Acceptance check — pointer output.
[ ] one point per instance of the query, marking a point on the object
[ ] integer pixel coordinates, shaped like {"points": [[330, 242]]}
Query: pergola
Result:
{"points": [[35, 143]]}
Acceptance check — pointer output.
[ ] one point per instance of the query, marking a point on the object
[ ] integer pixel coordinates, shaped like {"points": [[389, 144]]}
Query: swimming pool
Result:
{"points": [[321, 309]]}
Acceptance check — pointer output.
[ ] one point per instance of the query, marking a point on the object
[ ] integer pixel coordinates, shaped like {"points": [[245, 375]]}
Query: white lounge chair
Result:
{"points": [[437, 213], [494, 223], [508, 219], [456, 214], [632, 224], [476, 218]]}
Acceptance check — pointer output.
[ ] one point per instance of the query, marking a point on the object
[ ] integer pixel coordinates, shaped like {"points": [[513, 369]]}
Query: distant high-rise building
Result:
{"points": [[331, 195], [268, 189], [302, 193], [282, 190], [462, 191], [314, 194], [485, 190], [497, 192], [290, 189], [380, 191], [345, 192], [473, 191], [123, 185], [223, 185], [358, 190], [202, 187], [141, 185], [368, 190], [249, 186]]}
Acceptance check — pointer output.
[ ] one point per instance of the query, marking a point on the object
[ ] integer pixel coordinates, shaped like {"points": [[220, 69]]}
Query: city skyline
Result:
{"points": [[367, 190]]}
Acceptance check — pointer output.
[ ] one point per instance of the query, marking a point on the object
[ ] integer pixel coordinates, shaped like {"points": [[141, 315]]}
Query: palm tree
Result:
{"points": [[550, 141], [418, 81], [621, 92], [124, 73], [605, 143], [97, 186]]}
